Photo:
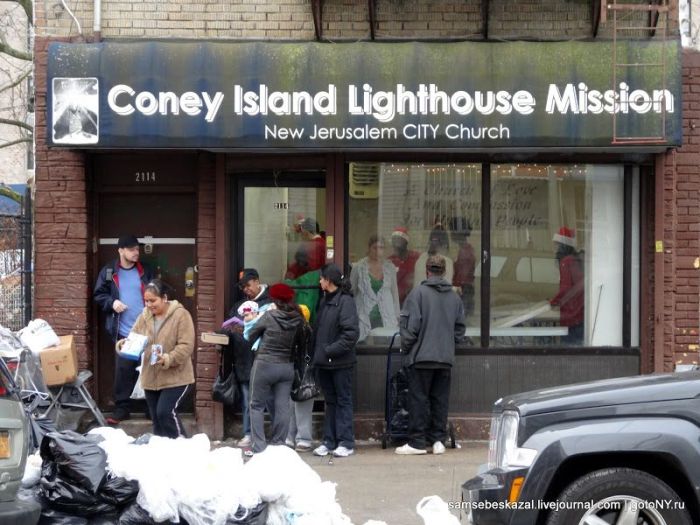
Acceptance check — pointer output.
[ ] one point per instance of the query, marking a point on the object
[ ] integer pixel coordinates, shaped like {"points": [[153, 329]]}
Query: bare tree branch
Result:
{"points": [[9, 50], [18, 123], [27, 6], [17, 81]]}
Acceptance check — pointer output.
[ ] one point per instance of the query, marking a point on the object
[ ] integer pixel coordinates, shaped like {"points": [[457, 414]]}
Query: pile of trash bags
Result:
{"points": [[107, 477]]}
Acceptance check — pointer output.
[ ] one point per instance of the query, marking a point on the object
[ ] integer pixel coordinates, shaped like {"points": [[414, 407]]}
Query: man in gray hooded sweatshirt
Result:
{"points": [[432, 322]]}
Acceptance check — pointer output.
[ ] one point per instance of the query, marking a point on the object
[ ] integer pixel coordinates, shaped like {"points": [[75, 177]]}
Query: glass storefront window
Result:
{"points": [[556, 255], [397, 214], [555, 248]]}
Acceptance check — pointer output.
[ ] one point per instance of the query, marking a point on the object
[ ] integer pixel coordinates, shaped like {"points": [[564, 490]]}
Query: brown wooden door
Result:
{"points": [[166, 223]]}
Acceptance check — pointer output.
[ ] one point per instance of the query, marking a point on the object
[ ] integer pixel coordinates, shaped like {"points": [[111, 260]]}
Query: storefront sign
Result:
{"points": [[363, 95]]}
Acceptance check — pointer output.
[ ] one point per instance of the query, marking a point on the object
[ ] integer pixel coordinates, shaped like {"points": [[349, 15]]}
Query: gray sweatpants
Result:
{"points": [[300, 421], [270, 384]]}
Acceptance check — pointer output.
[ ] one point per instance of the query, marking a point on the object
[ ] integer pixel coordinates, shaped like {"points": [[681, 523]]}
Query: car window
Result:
{"points": [[545, 270], [523, 271], [497, 264]]}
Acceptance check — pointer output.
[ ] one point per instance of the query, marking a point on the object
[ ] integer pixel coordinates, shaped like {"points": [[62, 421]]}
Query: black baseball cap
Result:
{"points": [[128, 241], [247, 274]]}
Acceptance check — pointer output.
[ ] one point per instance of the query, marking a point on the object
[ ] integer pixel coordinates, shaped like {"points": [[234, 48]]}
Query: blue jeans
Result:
{"points": [[245, 401]]}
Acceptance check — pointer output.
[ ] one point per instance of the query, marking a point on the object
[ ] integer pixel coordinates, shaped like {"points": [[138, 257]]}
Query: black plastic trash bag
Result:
{"points": [[135, 514], [255, 516], [39, 428], [78, 458], [108, 519], [119, 491], [53, 517], [65, 496]]}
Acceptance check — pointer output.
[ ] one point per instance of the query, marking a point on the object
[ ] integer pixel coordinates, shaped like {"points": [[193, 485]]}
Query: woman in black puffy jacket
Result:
{"points": [[336, 331]]}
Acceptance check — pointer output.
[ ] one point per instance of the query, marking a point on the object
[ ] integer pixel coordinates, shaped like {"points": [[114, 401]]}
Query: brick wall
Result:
{"points": [[344, 19], [209, 414], [62, 282], [682, 227]]}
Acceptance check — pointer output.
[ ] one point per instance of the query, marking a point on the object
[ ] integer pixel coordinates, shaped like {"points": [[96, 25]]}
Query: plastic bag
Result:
{"points": [[65, 496], [435, 511], [137, 515], [38, 335], [137, 392], [32, 471], [78, 458], [255, 516], [119, 491]]}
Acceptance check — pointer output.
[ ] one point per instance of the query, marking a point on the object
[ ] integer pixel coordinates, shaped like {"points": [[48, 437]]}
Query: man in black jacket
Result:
{"points": [[238, 354], [432, 322], [119, 294]]}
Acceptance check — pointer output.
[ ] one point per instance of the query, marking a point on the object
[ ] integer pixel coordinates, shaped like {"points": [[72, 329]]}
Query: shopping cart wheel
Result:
{"points": [[453, 439]]}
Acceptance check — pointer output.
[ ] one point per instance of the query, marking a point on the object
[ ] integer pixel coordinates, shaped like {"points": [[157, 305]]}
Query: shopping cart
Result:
{"points": [[49, 408], [396, 400]]}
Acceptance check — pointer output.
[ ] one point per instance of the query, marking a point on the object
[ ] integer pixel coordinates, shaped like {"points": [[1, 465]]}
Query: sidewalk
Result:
{"points": [[378, 484]]}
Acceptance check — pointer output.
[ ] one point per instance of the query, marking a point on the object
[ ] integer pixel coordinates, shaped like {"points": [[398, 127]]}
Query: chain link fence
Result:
{"points": [[15, 268]]}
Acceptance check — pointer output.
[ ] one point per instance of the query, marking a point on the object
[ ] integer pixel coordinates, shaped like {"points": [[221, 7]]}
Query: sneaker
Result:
{"points": [[302, 446], [408, 450], [321, 450], [248, 452], [438, 448], [289, 443], [245, 441], [343, 452]]}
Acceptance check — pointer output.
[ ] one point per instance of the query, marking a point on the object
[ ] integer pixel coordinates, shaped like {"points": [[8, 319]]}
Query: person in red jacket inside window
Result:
{"points": [[570, 298], [311, 254]]}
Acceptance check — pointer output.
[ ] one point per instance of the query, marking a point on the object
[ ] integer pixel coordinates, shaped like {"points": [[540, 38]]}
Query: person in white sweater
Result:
{"points": [[373, 281]]}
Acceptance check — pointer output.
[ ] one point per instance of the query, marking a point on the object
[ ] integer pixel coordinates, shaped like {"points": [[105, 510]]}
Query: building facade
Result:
{"points": [[547, 151]]}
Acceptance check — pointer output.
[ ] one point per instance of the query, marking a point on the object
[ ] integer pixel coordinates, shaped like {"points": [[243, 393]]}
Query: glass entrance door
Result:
{"points": [[281, 225]]}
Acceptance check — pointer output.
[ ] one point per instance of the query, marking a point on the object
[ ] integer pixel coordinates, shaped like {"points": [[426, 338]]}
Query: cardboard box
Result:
{"points": [[214, 338], [59, 364]]}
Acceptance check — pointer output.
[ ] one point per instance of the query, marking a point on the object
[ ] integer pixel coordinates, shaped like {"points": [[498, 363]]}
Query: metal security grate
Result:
{"points": [[638, 20], [15, 269]]}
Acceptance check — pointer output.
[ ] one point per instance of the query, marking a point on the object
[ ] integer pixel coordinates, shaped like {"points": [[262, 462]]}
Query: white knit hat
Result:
{"points": [[565, 236]]}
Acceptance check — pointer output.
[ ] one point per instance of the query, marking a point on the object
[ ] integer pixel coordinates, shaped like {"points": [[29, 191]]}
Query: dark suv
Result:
{"points": [[621, 451]]}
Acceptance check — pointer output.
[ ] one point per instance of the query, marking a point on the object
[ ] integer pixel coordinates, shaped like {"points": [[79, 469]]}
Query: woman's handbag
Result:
{"points": [[225, 389], [305, 385]]}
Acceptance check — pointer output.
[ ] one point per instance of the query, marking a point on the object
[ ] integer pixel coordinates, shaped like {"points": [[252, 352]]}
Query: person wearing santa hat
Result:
{"points": [[570, 298], [404, 259]]}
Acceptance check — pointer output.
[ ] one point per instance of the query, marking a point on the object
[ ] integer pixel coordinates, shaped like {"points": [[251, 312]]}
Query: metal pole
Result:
{"points": [[27, 255]]}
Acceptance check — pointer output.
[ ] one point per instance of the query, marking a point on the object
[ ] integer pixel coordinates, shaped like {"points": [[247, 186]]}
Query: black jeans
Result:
{"points": [[428, 401], [163, 407], [125, 376], [336, 384]]}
